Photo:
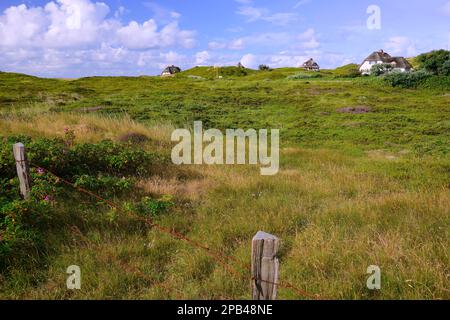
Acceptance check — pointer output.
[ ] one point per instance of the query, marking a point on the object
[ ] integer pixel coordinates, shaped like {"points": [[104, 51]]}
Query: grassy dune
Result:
{"points": [[354, 189]]}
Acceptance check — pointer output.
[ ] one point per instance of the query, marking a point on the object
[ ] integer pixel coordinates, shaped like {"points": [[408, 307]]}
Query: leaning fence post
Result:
{"points": [[264, 266], [23, 170]]}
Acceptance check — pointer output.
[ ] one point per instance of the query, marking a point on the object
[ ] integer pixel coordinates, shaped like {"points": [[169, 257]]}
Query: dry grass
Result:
{"points": [[87, 128], [335, 213]]}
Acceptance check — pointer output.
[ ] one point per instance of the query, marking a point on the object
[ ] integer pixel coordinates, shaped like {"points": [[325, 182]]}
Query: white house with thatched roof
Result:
{"points": [[381, 57], [311, 65]]}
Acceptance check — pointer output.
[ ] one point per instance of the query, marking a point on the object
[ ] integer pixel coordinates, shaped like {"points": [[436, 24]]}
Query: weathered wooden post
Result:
{"points": [[264, 266], [23, 169]]}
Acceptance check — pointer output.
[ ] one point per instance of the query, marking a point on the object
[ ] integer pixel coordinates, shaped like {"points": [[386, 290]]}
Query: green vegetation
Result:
{"points": [[407, 79], [433, 71], [264, 67], [107, 168], [213, 72], [435, 62], [348, 71], [305, 75], [354, 188], [380, 69]]}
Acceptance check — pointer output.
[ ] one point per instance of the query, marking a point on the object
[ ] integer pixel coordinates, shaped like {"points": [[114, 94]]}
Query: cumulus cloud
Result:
{"points": [[216, 45], [274, 38], [401, 46], [64, 33], [250, 61], [201, 57], [147, 36], [67, 23], [254, 14], [308, 39]]}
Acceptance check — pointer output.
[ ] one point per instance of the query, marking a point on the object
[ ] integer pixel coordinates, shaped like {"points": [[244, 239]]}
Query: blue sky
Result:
{"points": [[73, 38]]}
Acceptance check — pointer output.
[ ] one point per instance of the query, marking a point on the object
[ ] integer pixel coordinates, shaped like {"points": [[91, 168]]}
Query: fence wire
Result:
{"points": [[217, 256]]}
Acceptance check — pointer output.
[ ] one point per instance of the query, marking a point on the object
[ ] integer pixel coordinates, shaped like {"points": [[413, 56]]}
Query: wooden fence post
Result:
{"points": [[23, 169], [264, 266]]}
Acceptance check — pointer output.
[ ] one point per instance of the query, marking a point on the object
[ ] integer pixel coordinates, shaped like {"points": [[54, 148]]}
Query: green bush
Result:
{"points": [[233, 71], [106, 168], [300, 76], [154, 207], [109, 158], [264, 67], [446, 68], [23, 223], [105, 157], [105, 185], [437, 82], [435, 62], [406, 79], [380, 69]]}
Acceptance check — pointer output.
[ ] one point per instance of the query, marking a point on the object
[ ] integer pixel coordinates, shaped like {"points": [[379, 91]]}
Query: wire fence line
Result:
{"points": [[219, 257], [126, 266]]}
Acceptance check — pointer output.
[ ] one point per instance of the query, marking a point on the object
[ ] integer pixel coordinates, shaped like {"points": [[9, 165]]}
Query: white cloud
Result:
{"points": [[401, 46], [54, 38], [201, 57], [274, 38], [308, 39], [301, 3], [216, 45], [446, 9], [120, 12], [74, 23], [175, 15], [147, 36], [237, 44], [254, 14], [160, 13], [235, 29], [307, 34], [249, 61]]}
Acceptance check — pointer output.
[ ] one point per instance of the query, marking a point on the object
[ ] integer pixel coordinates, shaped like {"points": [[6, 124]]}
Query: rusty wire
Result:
{"points": [[217, 256]]}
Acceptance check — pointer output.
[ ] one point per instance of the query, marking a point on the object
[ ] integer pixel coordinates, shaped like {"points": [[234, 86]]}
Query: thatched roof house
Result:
{"points": [[170, 71], [311, 65], [380, 57]]}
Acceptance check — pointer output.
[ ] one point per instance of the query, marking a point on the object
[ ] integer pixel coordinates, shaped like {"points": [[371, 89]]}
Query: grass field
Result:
{"points": [[354, 189]]}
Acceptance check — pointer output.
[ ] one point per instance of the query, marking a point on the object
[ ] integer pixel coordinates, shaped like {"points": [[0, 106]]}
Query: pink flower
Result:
{"points": [[40, 171], [47, 198]]}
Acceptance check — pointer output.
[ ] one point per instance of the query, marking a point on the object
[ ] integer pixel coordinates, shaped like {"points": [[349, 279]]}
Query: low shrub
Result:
{"points": [[406, 79], [300, 76], [437, 82], [105, 168], [264, 67], [149, 207], [105, 185], [380, 69], [23, 223]]}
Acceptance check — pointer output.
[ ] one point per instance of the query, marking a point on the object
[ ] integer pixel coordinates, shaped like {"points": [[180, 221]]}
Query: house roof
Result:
{"points": [[172, 69], [310, 63], [402, 63], [379, 56], [397, 62]]}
